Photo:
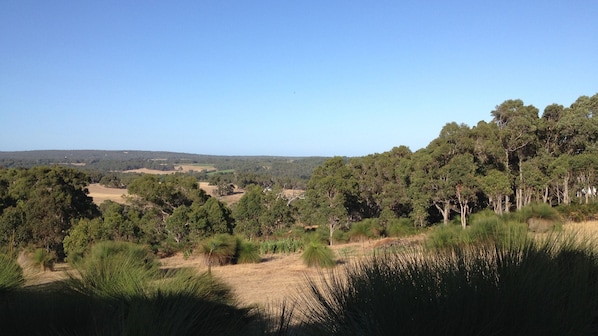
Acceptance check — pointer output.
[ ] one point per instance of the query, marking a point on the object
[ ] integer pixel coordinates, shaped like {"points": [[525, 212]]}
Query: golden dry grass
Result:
{"points": [[100, 193]]}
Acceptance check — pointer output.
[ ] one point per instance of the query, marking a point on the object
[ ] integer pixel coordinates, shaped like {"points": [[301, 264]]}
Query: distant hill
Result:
{"points": [[122, 160]]}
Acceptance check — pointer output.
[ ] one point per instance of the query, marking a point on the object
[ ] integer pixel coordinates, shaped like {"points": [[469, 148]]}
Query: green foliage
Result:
{"points": [[11, 274], [579, 212], [286, 246], [369, 228], [541, 210], [222, 249], [485, 227], [115, 270], [247, 252], [400, 227], [113, 301], [44, 259], [539, 288], [317, 254]]}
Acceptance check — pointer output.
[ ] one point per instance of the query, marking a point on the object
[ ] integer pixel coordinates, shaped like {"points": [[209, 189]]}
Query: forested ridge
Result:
{"points": [[521, 157]]}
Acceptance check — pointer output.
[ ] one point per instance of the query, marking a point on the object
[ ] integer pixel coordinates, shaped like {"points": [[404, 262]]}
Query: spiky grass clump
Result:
{"points": [[317, 254], [11, 274], [115, 270], [225, 249], [540, 288], [247, 252], [44, 259], [219, 249]]}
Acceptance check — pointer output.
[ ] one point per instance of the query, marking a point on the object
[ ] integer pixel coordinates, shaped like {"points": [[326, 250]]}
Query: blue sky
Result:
{"points": [[290, 78]]}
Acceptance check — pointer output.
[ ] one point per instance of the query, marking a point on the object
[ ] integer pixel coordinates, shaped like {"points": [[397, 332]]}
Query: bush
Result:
{"points": [[247, 252], [400, 227], [366, 229], [115, 270], [539, 288], [219, 249], [44, 259], [317, 254], [11, 274], [223, 249], [287, 245]]}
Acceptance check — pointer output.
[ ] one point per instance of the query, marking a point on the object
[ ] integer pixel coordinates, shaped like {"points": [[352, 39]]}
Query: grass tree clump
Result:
{"points": [[11, 274], [538, 288], [219, 249], [247, 252], [44, 259], [317, 254], [223, 249], [115, 270]]}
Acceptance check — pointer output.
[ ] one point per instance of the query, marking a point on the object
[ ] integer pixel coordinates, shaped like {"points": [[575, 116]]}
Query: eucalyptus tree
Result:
{"points": [[517, 127], [462, 172], [383, 181], [41, 203], [331, 196]]}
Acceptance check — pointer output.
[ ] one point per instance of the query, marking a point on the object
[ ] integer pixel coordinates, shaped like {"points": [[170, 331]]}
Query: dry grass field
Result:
{"points": [[100, 193]]}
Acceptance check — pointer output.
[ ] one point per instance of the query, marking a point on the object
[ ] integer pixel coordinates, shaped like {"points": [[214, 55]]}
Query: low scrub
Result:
{"points": [[543, 287], [286, 246], [369, 228]]}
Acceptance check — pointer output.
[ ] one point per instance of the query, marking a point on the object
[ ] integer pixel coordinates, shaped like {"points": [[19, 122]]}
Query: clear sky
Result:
{"points": [[283, 77]]}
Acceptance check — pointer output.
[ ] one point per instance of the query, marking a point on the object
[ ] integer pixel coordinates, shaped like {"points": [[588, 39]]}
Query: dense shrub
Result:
{"points": [[539, 288], [400, 227], [366, 229]]}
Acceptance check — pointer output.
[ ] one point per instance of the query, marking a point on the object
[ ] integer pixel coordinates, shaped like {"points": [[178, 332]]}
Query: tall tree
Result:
{"points": [[517, 125], [331, 195]]}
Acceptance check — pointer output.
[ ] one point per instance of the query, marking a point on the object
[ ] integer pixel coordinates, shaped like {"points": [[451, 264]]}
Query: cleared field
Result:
{"points": [[100, 193]]}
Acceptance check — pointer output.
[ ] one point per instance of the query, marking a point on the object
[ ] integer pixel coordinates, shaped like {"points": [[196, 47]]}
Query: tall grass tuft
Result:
{"points": [[247, 252], [317, 254], [543, 287], [115, 270], [11, 274], [219, 249]]}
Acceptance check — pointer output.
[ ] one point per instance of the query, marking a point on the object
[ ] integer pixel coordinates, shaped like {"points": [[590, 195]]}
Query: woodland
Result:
{"points": [[519, 158]]}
